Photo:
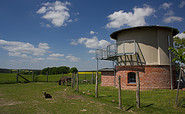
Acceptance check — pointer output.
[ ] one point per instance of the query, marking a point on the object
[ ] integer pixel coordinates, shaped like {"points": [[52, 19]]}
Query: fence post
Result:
{"points": [[85, 77], [33, 76], [138, 90], [62, 74], [72, 80], [176, 101], [17, 78], [92, 78], [47, 76], [77, 88], [96, 89], [119, 92]]}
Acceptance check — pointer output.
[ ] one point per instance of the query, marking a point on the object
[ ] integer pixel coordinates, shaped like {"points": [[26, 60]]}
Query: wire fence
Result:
{"points": [[84, 78]]}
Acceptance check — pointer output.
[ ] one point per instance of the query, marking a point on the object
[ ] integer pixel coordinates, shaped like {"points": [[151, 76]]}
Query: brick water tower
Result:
{"points": [[143, 49]]}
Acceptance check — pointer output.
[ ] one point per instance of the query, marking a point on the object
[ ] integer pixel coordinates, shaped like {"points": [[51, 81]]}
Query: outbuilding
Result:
{"points": [[143, 49]]}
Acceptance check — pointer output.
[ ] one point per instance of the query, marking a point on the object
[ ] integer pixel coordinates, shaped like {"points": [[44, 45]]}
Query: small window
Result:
{"points": [[131, 78]]}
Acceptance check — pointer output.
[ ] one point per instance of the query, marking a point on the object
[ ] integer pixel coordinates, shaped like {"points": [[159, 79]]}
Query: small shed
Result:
{"points": [[107, 76]]}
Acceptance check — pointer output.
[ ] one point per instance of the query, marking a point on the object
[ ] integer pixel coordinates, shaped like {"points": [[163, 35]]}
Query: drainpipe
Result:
{"points": [[170, 57], [114, 68]]}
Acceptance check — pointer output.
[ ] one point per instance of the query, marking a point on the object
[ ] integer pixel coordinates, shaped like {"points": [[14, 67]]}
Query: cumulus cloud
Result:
{"points": [[165, 5], [53, 58], [92, 42], [171, 19], [21, 49], [72, 58], [73, 42], [56, 55], [91, 51], [38, 59], [137, 18], [182, 4], [180, 35], [169, 13], [56, 12], [92, 32]]}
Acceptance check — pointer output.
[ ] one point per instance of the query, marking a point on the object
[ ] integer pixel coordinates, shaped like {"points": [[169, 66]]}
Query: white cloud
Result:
{"points": [[93, 58], [56, 55], [73, 42], [38, 59], [181, 35], [53, 58], [72, 58], [92, 32], [17, 54], [169, 13], [121, 18], [172, 19], [93, 42], [21, 49], [56, 12], [91, 51], [165, 5], [182, 4]]}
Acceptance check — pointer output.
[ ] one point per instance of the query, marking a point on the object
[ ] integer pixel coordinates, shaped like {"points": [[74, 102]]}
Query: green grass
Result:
{"points": [[152, 101], [28, 98], [11, 78]]}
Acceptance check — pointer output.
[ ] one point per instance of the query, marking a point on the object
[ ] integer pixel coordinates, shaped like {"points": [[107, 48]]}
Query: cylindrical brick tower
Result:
{"points": [[153, 43]]}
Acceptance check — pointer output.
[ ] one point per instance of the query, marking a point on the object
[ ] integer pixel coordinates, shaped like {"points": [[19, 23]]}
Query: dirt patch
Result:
{"points": [[74, 97], [9, 103]]}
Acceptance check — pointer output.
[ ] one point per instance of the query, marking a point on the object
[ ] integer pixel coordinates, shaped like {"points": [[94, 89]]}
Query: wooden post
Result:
{"points": [[77, 88], [33, 76], [62, 75], [92, 78], [119, 92], [138, 90], [47, 76], [176, 101], [115, 76], [17, 78], [85, 77], [96, 89], [72, 80]]}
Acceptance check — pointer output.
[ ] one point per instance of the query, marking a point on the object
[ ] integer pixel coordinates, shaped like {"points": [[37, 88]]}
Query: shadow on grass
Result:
{"points": [[129, 108], [101, 96], [8, 82], [148, 105]]}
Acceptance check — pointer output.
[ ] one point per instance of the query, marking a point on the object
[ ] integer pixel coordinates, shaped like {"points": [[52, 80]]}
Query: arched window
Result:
{"points": [[131, 78]]}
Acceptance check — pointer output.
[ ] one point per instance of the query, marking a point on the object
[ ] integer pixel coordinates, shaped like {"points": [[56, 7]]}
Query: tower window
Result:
{"points": [[131, 78]]}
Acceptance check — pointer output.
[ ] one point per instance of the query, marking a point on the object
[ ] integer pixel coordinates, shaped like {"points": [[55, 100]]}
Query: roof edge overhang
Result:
{"points": [[114, 34]]}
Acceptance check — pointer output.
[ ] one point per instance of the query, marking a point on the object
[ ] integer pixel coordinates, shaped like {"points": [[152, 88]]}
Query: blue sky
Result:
{"points": [[44, 33]]}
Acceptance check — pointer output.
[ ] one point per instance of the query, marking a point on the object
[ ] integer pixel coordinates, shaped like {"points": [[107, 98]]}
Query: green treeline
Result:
{"points": [[59, 70]]}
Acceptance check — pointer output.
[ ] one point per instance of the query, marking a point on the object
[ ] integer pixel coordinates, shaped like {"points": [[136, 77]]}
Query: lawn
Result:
{"points": [[28, 98], [11, 78]]}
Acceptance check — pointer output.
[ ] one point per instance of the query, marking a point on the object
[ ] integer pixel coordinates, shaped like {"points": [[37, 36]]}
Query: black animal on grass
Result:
{"points": [[47, 95], [64, 80]]}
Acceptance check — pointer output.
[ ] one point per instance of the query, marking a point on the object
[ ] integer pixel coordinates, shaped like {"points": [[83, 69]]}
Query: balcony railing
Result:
{"points": [[113, 51]]}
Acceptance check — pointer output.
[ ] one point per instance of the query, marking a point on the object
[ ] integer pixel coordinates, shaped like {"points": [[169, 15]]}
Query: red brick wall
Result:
{"points": [[153, 77], [107, 78]]}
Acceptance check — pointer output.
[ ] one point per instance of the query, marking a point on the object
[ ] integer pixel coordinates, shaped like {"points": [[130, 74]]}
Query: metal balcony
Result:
{"points": [[129, 50]]}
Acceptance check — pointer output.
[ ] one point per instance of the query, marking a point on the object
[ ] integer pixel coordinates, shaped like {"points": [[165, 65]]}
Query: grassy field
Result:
{"points": [[11, 78], [28, 98]]}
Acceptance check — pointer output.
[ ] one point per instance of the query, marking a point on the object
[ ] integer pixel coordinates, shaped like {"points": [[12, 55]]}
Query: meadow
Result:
{"points": [[28, 98]]}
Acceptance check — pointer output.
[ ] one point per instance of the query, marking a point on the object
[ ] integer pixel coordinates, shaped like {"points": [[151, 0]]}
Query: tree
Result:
{"points": [[179, 52], [73, 70]]}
